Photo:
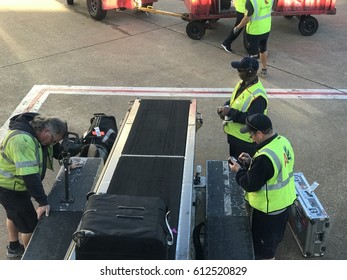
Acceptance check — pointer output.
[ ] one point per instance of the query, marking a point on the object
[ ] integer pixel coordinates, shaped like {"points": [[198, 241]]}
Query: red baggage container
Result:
{"points": [[302, 6], [114, 4], [198, 7]]}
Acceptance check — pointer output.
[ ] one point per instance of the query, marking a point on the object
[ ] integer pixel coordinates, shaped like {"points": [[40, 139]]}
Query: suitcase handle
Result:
{"points": [[132, 207], [81, 236], [128, 216], [169, 238]]}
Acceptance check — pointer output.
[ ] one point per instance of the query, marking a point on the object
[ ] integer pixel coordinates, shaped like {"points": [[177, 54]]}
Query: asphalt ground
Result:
{"points": [[47, 42]]}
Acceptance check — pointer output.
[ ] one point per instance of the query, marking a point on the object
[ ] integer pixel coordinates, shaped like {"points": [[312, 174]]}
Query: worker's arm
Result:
{"points": [[35, 188], [256, 177], [258, 105], [246, 18]]}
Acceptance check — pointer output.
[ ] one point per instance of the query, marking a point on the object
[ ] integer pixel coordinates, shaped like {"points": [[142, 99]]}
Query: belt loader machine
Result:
{"points": [[153, 156]]}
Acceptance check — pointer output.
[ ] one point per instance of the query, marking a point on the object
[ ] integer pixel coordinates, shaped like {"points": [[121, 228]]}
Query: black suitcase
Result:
{"points": [[123, 227]]}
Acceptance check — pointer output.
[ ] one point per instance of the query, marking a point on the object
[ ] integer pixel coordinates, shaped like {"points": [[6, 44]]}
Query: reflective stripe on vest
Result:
{"points": [[260, 21], [242, 103], [280, 183]]}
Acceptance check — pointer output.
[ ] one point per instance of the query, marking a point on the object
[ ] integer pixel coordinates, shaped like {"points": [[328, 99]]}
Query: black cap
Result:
{"points": [[257, 122], [245, 63]]}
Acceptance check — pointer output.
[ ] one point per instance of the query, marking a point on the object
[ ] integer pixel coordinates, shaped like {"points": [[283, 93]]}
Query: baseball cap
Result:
{"points": [[256, 122], [246, 62]]}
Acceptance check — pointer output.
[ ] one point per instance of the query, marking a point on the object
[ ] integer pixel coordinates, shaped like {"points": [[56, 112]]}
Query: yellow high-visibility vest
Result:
{"points": [[260, 21], [279, 191], [242, 103], [20, 155], [240, 5]]}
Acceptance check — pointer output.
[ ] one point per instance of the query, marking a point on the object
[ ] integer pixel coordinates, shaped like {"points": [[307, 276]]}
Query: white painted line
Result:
{"points": [[39, 93], [193, 92]]}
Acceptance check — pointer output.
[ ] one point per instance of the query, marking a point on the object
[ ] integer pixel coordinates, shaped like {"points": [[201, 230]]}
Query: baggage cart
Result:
{"points": [[202, 12], [308, 220]]}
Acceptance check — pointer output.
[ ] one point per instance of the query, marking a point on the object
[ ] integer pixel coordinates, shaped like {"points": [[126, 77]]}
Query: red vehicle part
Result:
{"points": [[201, 11], [98, 8]]}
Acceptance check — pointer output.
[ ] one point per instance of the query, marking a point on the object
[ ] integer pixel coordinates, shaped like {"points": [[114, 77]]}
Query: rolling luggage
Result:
{"points": [[123, 227], [308, 220]]}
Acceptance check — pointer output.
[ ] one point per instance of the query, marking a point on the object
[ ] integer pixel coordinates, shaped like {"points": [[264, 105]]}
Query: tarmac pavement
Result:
{"points": [[47, 42]]}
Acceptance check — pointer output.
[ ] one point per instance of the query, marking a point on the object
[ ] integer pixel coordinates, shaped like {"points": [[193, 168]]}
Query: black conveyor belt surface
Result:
{"points": [[152, 160], [53, 234], [228, 223], [160, 128]]}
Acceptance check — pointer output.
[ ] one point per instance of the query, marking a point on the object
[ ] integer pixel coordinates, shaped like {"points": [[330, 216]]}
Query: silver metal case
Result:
{"points": [[308, 220]]}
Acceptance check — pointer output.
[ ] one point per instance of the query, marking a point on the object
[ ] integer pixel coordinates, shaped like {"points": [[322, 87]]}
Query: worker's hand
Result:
{"points": [[233, 165], [245, 158], [43, 210], [220, 112], [75, 165], [236, 29]]}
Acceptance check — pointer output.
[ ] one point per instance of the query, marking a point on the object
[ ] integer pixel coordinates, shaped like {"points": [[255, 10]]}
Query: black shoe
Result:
{"points": [[263, 73], [16, 253], [226, 48]]}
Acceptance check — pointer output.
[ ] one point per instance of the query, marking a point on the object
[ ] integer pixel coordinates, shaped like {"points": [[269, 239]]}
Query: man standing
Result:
{"points": [[25, 153], [240, 10], [268, 182], [257, 19], [249, 97]]}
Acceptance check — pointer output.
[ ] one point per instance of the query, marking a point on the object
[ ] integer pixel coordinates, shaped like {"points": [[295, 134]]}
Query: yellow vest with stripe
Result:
{"points": [[20, 155], [279, 191], [240, 6], [260, 21], [242, 103]]}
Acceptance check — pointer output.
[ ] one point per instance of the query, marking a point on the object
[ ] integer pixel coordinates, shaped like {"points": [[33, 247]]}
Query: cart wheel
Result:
{"points": [[196, 29], [95, 9], [70, 2], [308, 25]]}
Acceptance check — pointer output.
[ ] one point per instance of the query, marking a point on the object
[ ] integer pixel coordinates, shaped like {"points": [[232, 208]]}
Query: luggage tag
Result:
{"points": [[311, 188]]}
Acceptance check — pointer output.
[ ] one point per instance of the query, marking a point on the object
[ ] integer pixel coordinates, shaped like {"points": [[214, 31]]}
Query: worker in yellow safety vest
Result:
{"points": [[25, 153], [268, 181], [257, 19], [248, 97]]}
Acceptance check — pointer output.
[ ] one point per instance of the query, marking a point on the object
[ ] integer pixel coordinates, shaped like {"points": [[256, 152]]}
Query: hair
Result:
{"points": [[55, 125], [267, 131]]}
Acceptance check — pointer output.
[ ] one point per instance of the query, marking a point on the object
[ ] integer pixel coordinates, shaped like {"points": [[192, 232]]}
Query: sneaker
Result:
{"points": [[226, 48], [263, 73], [16, 253]]}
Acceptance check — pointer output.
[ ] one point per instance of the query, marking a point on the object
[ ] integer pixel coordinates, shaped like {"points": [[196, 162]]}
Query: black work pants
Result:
{"points": [[231, 37]]}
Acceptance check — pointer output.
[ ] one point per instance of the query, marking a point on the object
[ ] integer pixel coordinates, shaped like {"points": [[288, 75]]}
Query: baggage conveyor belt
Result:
{"points": [[51, 238], [154, 156]]}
